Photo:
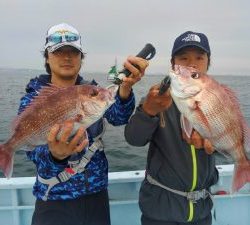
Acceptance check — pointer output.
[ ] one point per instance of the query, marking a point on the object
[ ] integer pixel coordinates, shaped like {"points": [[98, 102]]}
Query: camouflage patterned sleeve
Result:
{"points": [[120, 112], [46, 166]]}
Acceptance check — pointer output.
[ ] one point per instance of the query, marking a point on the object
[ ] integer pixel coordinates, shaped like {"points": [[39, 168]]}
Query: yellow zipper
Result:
{"points": [[194, 183]]}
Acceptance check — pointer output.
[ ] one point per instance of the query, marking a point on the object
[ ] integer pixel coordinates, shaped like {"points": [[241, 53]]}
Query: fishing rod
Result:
{"points": [[148, 52]]}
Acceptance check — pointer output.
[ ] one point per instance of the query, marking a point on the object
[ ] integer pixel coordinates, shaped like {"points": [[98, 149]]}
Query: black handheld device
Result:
{"points": [[148, 52], [165, 84]]}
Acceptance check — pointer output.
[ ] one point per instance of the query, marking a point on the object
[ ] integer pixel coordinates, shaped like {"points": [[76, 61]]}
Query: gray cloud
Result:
{"points": [[113, 28]]}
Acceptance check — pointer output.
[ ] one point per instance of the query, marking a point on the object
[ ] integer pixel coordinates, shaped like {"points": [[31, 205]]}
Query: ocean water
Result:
{"points": [[121, 156]]}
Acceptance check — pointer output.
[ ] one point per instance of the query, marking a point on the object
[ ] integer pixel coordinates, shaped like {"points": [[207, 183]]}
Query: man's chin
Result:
{"points": [[68, 76]]}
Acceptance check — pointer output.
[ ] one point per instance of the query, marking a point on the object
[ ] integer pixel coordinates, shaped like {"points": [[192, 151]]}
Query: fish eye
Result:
{"points": [[195, 75], [94, 93]]}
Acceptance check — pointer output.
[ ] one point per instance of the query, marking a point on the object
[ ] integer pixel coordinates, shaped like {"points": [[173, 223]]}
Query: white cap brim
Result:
{"points": [[59, 45]]}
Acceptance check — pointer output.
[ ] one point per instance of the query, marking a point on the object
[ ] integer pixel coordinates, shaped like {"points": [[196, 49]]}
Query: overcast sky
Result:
{"points": [[115, 28]]}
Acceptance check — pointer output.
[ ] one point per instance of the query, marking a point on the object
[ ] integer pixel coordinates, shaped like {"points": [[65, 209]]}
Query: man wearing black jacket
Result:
{"points": [[179, 170]]}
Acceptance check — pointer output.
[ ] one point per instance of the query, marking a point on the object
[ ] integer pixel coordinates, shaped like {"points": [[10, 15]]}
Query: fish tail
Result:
{"points": [[241, 175], [6, 160]]}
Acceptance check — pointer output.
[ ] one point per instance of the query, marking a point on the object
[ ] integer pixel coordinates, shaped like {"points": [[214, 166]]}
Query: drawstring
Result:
{"points": [[162, 120]]}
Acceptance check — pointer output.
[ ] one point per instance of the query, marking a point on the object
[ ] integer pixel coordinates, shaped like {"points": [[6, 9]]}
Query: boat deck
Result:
{"points": [[17, 201]]}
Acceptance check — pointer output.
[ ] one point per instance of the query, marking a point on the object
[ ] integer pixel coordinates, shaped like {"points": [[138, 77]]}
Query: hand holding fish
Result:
{"points": [[155, 103], [61, 149], [136, 66], [198, 142]]}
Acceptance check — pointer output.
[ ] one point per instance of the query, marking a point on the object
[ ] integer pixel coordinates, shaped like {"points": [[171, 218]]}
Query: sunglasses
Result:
{"points": [[65, 37]]}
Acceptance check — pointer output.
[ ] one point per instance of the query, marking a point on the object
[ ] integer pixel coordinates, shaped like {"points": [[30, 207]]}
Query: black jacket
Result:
{"points": [[171, 162]]}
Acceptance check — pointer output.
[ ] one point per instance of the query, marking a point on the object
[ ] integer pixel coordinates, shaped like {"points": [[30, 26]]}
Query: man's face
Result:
{"points": [[65, 62], [192, 57]]}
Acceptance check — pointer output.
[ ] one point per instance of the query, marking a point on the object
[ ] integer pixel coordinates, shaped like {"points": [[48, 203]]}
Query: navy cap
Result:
{"points": [[191, 38]]}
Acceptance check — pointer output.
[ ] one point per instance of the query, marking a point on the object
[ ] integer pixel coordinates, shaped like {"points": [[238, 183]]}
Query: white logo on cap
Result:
{"points": [[192, 37]]}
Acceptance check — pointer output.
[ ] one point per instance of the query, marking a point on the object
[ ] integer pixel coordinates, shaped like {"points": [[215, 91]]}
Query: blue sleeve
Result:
{"points": [[120, 112], [45, 164]]}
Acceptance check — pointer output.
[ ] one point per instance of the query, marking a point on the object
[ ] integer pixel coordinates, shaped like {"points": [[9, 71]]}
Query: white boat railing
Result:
{"points": [[17, 201]]}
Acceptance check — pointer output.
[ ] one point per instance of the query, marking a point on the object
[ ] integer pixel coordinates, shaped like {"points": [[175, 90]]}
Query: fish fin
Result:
{"points": [[246, 138], [50, 89], [6, 160], [241, 175], [45, 92], [186, 126], [38, 100]]}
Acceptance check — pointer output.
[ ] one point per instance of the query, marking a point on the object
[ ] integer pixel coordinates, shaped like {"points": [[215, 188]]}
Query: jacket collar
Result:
{"points": [[46, 79]]}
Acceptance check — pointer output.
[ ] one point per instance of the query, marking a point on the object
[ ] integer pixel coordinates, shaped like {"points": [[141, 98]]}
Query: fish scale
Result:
{"points": [[226, 134]]}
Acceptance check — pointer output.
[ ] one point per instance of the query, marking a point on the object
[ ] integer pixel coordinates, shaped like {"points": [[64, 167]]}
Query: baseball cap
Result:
{"points": [[62, 35], [191, 38]]}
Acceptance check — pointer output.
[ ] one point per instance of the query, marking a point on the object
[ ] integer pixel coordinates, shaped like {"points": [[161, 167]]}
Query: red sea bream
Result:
{"points": [[213, 110], [83, 104]]}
